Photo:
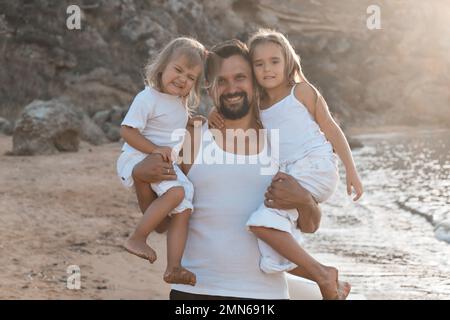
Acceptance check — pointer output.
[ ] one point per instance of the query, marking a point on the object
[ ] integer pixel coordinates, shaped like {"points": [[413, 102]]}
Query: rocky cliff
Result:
{"points": [[399, 74]]}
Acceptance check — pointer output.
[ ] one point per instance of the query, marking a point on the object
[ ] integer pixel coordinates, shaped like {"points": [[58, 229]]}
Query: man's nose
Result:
{"points": [[233, 88]]}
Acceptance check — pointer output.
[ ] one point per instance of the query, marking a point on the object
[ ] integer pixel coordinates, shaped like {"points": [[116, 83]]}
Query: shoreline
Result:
{"points": [[358, 132]]}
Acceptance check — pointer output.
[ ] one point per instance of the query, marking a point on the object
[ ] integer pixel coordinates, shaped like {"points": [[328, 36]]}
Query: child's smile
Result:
{"points": [[179, 76]]}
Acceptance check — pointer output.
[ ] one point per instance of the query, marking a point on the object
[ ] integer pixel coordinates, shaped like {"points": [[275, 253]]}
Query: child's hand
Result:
{"points": [[353, 180], [166, 153], [195, 119], [215, 119]]}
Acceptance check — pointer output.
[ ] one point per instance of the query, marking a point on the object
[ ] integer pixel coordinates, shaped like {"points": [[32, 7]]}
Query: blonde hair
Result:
{"points": [[293, 70], [196, 54]]}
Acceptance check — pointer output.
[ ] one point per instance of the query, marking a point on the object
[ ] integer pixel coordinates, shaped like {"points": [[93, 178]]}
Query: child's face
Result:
{"points": [[269, 65], [180, 75]]}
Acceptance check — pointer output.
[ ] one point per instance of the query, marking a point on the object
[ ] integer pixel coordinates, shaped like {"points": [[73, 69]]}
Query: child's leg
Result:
{"points": [[326, 277], [153, 216], [176, 241], [146, 196]]}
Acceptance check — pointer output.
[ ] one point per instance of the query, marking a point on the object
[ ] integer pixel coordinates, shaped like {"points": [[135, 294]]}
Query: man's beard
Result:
{"points": [[234, 112]]}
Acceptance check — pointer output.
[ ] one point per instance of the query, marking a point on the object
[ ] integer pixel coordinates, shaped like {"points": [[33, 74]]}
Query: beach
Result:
{"points": [[70, 209]]}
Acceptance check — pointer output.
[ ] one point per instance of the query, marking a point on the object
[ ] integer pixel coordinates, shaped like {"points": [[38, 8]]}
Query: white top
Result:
{"points": [[220, 250], [157, 116], [299, 134]]}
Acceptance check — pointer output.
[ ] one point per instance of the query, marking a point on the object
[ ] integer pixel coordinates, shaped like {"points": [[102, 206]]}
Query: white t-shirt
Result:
{"points": [[220, 250], [159, 117]]}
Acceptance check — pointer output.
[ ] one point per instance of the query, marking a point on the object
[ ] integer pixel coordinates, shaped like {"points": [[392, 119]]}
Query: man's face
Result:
{"points": [[234, 87]]}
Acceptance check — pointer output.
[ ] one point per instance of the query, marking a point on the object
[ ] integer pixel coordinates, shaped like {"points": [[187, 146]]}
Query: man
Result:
{"points": [[219, 250]]}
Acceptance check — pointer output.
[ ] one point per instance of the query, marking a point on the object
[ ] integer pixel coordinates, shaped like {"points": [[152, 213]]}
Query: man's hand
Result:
{"points": [[165, 152], [285, 193], [154, 169]]}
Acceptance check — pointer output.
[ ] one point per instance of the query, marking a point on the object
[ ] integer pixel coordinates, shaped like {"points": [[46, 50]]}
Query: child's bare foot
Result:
{"points": [[179, 275], [140, 249], [343, 289], [331, 288]]}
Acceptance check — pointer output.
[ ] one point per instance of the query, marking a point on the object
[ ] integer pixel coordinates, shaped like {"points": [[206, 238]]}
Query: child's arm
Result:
{"points": [[215, 119], [196, 118], [134, 138], [319, 109]]}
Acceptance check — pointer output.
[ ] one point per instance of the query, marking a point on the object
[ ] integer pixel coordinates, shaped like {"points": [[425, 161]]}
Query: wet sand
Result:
{"points": [[70, 209]]}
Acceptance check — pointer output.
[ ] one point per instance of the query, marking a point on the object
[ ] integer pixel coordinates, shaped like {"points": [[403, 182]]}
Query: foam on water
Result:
{"points": [[410, 171]]}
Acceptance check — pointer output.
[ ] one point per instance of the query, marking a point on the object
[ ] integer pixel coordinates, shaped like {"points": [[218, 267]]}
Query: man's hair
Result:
{"points": [[224, 50]]}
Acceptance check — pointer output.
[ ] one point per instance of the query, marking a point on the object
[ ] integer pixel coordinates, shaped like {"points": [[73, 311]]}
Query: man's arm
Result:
{"points": [[286, 193]]}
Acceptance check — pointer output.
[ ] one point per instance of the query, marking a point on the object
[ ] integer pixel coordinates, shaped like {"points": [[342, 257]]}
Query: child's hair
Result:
{"points": [[293, 69], [190, 48]]}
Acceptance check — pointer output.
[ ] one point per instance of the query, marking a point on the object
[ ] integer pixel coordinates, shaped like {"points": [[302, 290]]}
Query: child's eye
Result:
{"points": [[191, 78], [178, 70]]}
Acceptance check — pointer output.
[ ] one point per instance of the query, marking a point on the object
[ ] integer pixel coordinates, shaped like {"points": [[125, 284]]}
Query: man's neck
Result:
{"points": [[244, 123], [232, 143]]}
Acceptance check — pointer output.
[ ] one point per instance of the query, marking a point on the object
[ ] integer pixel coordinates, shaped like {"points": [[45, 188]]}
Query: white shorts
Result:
{"points": [[125, 165], [319, 175]]}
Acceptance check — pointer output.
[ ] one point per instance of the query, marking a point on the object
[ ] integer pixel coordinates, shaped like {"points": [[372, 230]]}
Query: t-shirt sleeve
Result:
{"points": [[140, 111]]}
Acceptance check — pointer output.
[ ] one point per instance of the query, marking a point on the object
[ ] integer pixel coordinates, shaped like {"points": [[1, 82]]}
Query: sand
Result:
{"points": [[70, 209]]}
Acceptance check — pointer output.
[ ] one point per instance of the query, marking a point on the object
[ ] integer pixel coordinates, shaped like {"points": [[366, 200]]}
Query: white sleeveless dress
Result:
{"points": [[304, 153]]}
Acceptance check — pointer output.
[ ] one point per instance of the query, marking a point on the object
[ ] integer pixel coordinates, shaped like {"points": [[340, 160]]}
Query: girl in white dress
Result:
{"points": [[307, 136], [156, 123]]}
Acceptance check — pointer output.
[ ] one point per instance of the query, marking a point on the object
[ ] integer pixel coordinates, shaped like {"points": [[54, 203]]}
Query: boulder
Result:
{"points": [[101, 117], [117, 115], [5, 127], [91, 132], [112, 132], [47, 127]]}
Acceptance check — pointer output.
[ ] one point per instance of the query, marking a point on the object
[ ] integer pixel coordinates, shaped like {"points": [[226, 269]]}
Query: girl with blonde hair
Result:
{"points": [[307, 137], [155, 124]]}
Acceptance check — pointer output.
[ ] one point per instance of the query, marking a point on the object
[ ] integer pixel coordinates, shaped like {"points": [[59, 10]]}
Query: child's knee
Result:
{"points": [[135, 174], [177, 193], [256, 230]]}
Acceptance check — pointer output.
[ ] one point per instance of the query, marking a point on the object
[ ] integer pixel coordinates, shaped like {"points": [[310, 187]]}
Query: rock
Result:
{"points": [[5, 127], [47, 127], [355, 143], [112, 132], [91, 132], [117, 115], [101, 117], [101, 65]]}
